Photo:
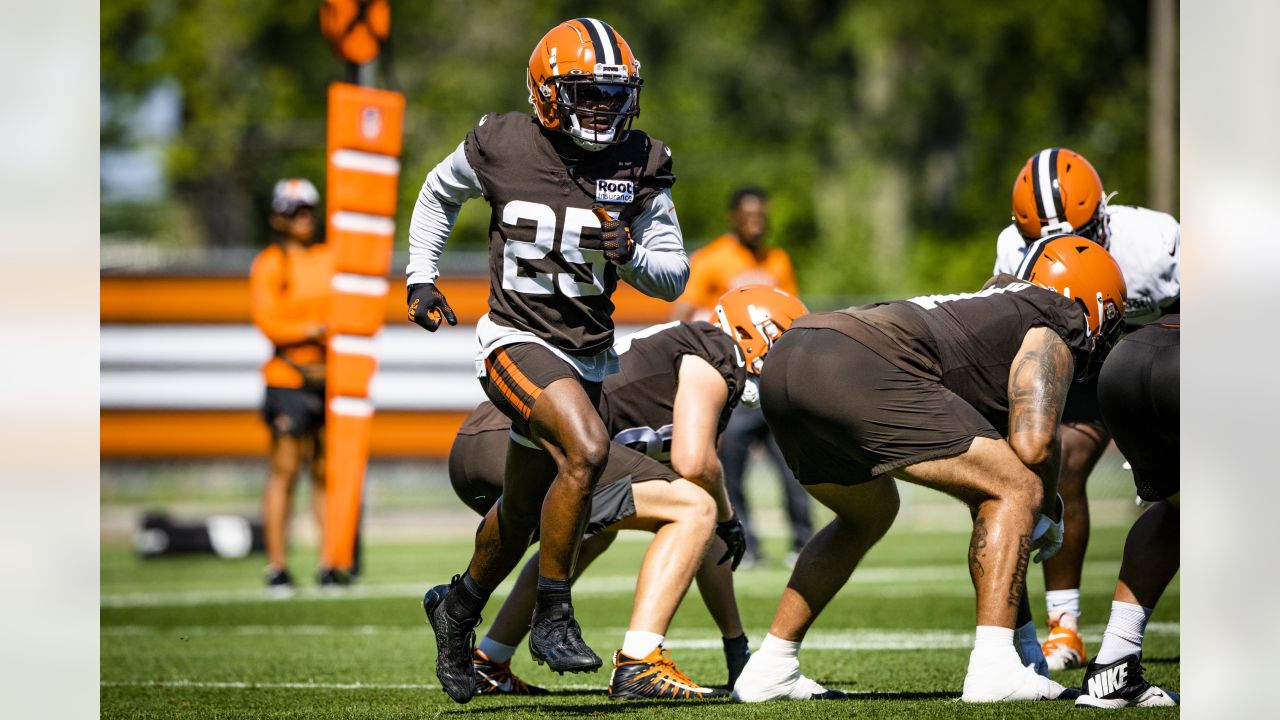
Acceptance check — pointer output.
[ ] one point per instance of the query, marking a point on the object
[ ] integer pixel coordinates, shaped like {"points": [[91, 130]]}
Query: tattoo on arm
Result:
{"points": [[977, 544], [1038, 386]]}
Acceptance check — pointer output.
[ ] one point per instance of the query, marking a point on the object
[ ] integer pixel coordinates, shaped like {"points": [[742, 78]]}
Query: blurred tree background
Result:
{"points": [[888, 132]]}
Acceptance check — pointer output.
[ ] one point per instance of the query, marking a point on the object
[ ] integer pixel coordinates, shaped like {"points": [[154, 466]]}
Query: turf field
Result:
{"points": [[195, 638]]}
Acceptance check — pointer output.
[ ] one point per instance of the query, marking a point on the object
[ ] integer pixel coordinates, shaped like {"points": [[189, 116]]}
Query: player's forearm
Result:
{"points": [[660, 266], [709, 476], [1042, 456], [267, 313], [428, 230], [448, 185], [658, 273]]}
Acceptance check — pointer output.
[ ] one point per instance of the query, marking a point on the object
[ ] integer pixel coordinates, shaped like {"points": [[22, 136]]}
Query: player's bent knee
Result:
{"points": [[587, 457], [701, 507]]}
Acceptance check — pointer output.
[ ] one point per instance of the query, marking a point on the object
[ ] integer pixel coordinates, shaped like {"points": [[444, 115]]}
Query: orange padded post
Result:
{"points": [[364, 143]]}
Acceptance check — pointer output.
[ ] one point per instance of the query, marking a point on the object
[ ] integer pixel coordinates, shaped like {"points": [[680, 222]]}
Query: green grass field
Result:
{"points": [[195, 638]]}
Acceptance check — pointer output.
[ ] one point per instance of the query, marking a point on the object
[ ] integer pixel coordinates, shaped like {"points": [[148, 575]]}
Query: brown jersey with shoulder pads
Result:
{"points": [[548, 273], [638, 403], [966, 341]]}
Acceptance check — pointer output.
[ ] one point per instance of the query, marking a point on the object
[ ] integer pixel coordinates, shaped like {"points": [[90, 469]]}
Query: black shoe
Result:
{"points": [[556, 639], [736, 653], [496, 678], [654, 677], [1121, 684], [331, 578], [455, 642], [280, 583]]}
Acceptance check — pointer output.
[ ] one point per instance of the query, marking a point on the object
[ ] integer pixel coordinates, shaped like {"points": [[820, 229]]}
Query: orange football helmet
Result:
{"points": [[1058, 191], [755, 316], [584, 81], [1084, 271]]}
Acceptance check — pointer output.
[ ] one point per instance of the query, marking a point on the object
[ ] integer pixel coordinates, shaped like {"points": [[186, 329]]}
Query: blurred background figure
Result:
{"points": [[289, 283], [737, 258]]}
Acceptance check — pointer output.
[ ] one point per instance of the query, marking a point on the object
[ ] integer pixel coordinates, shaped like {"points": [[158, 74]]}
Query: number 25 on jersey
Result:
{"points": [[544, 242]]}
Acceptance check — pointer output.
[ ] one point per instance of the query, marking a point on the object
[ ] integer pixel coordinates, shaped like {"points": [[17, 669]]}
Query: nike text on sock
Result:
{"points": [[494, 650], [638, 644], [1125, 628]]}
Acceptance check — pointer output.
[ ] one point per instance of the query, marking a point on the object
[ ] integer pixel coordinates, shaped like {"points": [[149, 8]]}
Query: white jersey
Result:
{"points": [[1145, 244]]}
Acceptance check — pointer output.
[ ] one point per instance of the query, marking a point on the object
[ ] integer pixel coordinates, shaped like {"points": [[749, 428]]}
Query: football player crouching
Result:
{"points": [[665, 409], [959, 393], [1056, 191]]}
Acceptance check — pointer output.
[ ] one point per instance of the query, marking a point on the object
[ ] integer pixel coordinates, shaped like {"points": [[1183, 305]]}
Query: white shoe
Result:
{"points": [[1006, 683], [767, 678]]}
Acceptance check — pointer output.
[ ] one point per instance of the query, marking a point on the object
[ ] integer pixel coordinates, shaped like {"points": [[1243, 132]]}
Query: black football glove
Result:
{"points": [[616, 237], [427, 307], [731, 532]]}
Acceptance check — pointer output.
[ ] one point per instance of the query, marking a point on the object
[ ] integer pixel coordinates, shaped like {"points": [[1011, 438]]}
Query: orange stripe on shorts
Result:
{"points": [[525, 383], [506, 391]]}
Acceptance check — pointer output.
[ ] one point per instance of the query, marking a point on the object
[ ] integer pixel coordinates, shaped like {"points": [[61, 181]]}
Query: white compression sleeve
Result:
{"points": [[660, 267], [448, 185]]}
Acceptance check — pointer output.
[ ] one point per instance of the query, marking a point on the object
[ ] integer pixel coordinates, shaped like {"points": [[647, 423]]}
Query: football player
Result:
{"points": [[1138, 395], [579, 201], [959, 393], [665, 409], [1058, 191]]}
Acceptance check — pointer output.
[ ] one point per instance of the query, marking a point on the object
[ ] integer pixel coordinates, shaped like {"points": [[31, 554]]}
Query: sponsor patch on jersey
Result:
{"points": [[615, 191]]}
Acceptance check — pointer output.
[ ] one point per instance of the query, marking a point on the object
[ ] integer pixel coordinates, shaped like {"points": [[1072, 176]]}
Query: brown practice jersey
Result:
{"points": [[548, 272], [639, 401], [966, 341]]}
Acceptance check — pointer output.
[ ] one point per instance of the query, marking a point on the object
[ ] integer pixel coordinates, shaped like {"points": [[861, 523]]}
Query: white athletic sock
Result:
{"points": [[495, 650], [1124, 632], [774, 646], [993, 645], [638, 644], [1061, 603]]}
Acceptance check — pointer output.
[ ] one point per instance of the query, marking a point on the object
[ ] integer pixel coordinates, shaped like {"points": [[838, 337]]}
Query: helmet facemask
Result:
{"points": [[1110, 328], [597, 110], [1098, 229]]}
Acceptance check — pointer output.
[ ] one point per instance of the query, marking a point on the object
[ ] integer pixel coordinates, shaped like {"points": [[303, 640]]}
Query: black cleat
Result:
{"points": [[496, 678], [330, 578], [455, 642], [556, 639], [736, 654], [1121, 684], [655, 677], [280, 583]]}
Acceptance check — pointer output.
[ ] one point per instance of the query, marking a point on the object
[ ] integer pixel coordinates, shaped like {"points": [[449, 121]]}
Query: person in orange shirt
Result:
{"points": [[737, 258], [289, 285]]}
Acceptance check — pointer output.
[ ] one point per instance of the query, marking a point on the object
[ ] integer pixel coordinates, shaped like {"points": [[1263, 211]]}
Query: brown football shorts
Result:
{"points": [[477, 464], [843, 414], [516, 375]]}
